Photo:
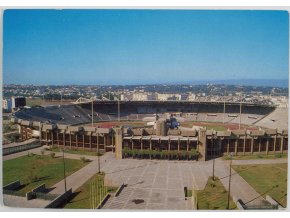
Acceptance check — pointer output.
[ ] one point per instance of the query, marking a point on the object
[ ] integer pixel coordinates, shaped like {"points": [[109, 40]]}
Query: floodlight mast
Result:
{"points": [[229, 192], [92, 113], [240, 115], [64, 176], [118, 105]]}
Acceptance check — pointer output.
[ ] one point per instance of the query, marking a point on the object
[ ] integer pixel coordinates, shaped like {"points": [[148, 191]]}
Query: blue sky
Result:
{"points": [[143, 46]]}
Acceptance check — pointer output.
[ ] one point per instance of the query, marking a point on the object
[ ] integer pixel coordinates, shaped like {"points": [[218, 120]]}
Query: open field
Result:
{"points": [[40, 102], [110, 124], [214, 196], [216, 125], [266, 179], [33, 170], [82, 196], [34, 102], [256, 156]]}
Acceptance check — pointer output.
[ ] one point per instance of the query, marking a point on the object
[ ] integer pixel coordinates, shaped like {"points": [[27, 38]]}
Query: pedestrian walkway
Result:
{"points": [[22, 153], [15, 144], [22, 202], [240, 189], [77, 179], [260, 161]]}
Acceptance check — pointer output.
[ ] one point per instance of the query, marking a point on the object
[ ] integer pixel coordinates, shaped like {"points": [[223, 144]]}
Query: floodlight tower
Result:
{"points": [[118, 105], [92, 113]]}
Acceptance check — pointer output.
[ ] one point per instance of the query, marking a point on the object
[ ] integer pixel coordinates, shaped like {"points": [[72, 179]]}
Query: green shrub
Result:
{"points": [[146, 154], [134, 153], [84, 159], [52, 154], [278, 155], [182, 155]]}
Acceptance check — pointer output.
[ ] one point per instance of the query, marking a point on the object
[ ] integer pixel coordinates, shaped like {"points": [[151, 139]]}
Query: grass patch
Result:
{"points": [[266, 179], [33, 170], [76, 151], [208, 125], [214, 196], [256, 156], [9, 127], [81, 199], [34, 102]]}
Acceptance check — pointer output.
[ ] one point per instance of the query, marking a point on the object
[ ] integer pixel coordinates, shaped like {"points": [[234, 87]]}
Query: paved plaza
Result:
{"points": [[158, 184]]}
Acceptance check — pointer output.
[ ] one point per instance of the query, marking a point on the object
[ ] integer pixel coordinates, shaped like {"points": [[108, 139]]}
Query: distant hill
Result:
{"points": [[282, 83]]}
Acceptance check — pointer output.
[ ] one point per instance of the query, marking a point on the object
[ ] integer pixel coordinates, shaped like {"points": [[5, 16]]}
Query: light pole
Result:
{"points": [[231, 156], [92, 113], [64, 176], [212, 156]]}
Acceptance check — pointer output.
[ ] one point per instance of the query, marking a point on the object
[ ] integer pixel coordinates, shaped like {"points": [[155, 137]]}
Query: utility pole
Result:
{"points": [[64, 176], [231, 156]]}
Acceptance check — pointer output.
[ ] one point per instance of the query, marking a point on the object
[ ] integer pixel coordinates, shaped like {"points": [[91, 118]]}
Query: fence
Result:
{"points": [[15, 149]]}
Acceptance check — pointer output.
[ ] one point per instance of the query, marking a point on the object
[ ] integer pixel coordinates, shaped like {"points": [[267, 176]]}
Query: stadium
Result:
{"points": [[211, 129]]}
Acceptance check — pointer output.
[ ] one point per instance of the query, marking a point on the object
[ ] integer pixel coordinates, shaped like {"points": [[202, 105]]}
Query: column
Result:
{"points": [[46, 137], [267, 146], [244, 148], [282, 142], [98, 146], [83, 141], [132, 144], [228, 146], [77, 141], [275, 141], [105, 140], [63, 139], [141, 143], [40, 134], [57, 137], [168, 144], [70, 140], [51, 137], [91, 141], [211, 147], [119, 142], [236, 146], [259, 145], [252, 145]]}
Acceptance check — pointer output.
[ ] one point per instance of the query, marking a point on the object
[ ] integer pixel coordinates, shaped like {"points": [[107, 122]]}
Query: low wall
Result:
{"points": [[119, 190], [273, 202], [12, 186], [32, 194], [39, 188], [60, 199], [102, 203]]}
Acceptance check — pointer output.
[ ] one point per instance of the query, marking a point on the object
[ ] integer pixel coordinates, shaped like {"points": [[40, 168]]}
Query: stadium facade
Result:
{"points": [[67, 126]]}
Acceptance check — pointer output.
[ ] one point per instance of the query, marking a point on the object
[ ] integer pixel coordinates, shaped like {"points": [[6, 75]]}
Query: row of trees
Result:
{"points": [[158, 154]]}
